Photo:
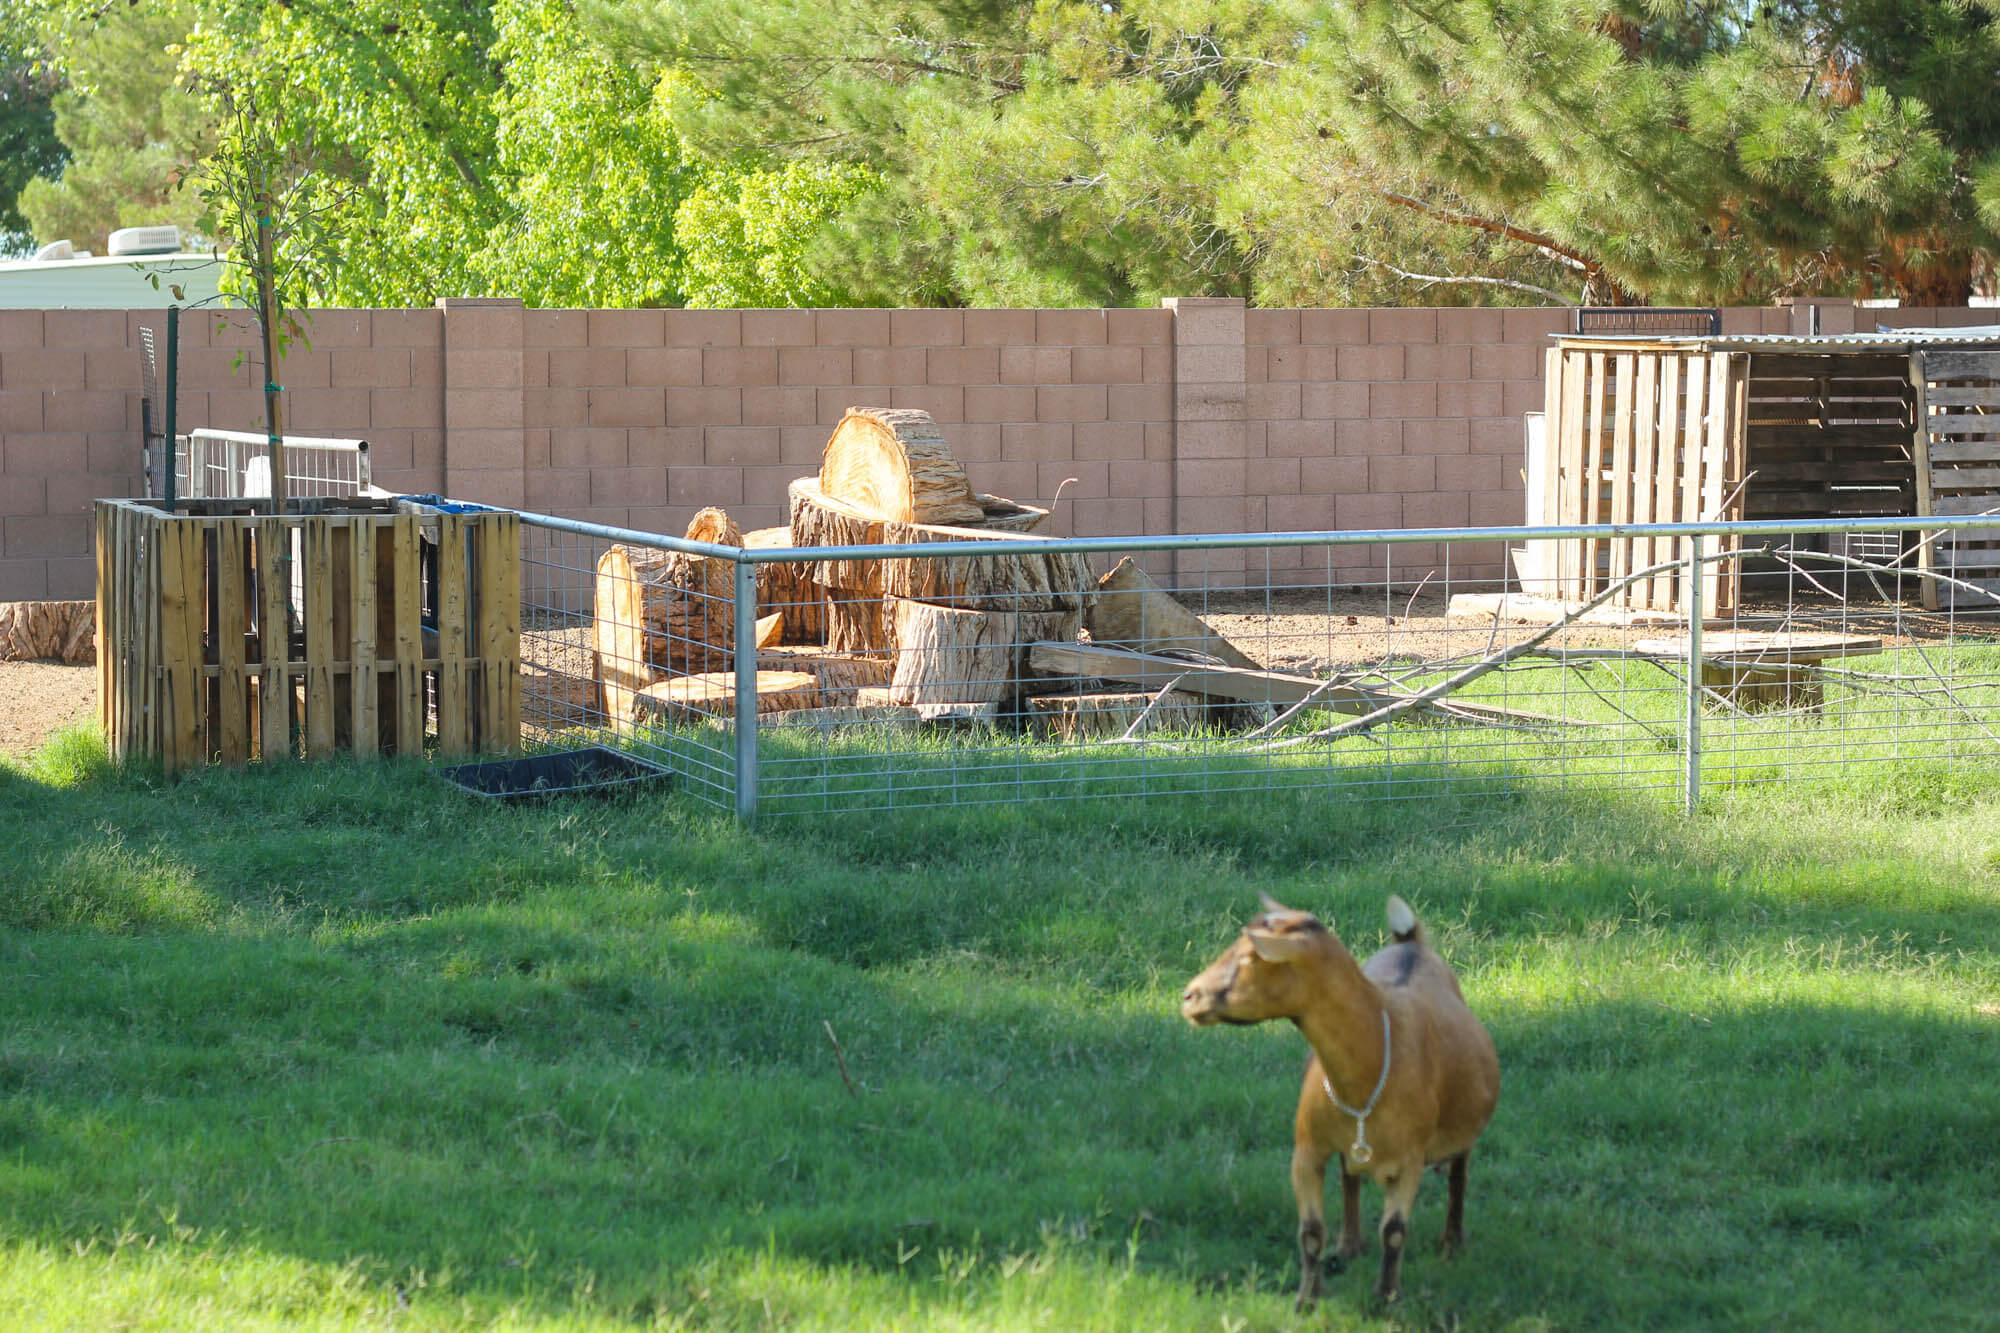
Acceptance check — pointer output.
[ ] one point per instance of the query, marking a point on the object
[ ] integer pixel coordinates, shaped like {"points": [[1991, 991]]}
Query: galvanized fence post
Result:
{"points": [[745, 606], [1691, 779]]}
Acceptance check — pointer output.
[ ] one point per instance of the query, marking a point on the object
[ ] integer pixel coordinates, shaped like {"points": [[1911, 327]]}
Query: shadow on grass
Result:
{"points": [[345, 1015]]}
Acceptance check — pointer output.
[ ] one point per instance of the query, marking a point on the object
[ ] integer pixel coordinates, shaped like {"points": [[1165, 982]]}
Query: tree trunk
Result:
{"points": [[65, 631], [949, 654], [892, 463], [988, 577], [786, 590]]}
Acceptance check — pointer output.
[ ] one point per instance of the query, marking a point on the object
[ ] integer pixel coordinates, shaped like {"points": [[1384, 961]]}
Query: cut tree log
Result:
{"points": [[663, 612], [1085, 717], [711, 696], [64, 631], [1155, 671], [839, 674], [818, 519], [786, 589], [892, 463], [988, 577], [948, 654], [857, 622], [1132, 611]]}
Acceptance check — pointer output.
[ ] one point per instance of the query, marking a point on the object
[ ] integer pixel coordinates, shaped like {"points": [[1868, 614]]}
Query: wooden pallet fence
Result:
{"points": [[1640, 434], [1958, 470], [362, 626]]}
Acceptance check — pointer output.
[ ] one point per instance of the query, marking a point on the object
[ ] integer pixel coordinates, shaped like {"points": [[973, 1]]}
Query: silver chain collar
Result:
{"points": [[1361, 1154]]}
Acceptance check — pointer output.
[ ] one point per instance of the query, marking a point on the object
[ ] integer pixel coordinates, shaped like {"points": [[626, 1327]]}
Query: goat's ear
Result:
{"points": [[1270, 904], [1273, 947]]}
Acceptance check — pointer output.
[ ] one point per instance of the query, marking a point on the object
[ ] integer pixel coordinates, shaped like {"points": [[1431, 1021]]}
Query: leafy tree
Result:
{"points": [[747, 235], [1710, 152], [127, 126], [29, 146]]}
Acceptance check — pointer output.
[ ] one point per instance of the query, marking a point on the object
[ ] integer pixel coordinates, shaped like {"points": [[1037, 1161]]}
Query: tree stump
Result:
{"points": [[839, 674], [948, 654], [64, 631]]}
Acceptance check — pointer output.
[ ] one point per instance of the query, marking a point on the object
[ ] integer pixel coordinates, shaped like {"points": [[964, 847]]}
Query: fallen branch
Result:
{"points": [[840, 1058]]}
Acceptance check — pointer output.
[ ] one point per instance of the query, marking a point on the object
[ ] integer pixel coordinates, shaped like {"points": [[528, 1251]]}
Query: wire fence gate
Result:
{"points": [[1385, 665]]}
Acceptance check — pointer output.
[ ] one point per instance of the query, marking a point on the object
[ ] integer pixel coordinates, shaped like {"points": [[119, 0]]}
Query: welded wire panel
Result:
{"points": [[1361, 667]]}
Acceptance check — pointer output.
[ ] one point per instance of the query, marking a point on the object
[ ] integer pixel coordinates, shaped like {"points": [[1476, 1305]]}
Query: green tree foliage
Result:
{"points": [[127, 126], [29, 146], [1681, 151]]}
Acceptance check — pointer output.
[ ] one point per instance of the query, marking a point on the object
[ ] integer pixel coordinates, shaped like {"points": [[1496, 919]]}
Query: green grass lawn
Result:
{"points": [[336, 1046]]}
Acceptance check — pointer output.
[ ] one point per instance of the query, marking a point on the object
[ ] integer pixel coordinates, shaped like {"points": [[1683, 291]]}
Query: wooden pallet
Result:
{"points": [[227, 636], [1958, 470]]}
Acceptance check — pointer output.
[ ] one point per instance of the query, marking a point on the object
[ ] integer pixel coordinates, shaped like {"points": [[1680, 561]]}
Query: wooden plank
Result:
{"points": [[1666, 488], [1152, 671], [454, 722], [1693, 433], [1940, 364], [1982, 479], [1965, 395], [1731, 410], [1876, 434], [362, 665], [1846, 366], [1596, 410], [230, 725], [1963, 451], [1569, 502], [1972, 427], [316, 556], [182, 598], [497, 567], [1919, 365], [1645, 413], [1548, 560], [1621, 462], [274, 694], [148, 707], [407, 561]]}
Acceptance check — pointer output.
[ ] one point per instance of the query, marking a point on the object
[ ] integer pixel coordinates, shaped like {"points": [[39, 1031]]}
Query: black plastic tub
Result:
{"points": [[593, 770]]}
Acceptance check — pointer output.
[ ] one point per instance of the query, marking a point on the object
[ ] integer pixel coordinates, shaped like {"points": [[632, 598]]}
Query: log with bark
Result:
{"points": [[988, 577], [1132, 611], [784, 589], [663, 612], [839, 674], [64, 631], [948, 654]]}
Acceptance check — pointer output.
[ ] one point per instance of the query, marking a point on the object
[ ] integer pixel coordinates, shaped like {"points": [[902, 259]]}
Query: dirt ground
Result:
{"points": [[39, 698]]}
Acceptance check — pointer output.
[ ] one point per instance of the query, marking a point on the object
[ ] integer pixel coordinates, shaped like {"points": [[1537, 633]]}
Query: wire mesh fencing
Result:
{"points": [[1386, 666]]}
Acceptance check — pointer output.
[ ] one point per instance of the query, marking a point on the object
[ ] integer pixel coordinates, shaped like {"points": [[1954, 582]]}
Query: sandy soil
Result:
{"points": [[39, 698]]}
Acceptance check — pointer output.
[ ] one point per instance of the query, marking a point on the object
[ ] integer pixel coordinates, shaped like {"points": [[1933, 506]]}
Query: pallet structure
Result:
{"points": [[361, 625], [1697, 429]]}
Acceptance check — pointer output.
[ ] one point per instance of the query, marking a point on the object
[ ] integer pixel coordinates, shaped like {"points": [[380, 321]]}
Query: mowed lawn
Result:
{"points": [[336, 1046]]}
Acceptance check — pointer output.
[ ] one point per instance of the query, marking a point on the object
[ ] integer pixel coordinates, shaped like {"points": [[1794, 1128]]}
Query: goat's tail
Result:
{"points": [[1403, 923]]}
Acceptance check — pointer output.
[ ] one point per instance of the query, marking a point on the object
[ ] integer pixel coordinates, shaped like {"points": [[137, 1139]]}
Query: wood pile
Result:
{"points": [[63, 631], [876, 639]]}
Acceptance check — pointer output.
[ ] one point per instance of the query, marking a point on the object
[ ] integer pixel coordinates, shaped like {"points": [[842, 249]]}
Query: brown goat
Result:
{"points": [[1397, 1025]]}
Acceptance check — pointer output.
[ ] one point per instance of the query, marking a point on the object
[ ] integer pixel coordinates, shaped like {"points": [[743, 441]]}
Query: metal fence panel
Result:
{"points": [[779, 681]]}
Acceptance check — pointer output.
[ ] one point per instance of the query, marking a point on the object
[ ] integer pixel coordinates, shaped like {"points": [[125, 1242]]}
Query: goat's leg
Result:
{"points": [[1400, 1195], [1351, 1243], [1454, 1209], [1309, 1187]]}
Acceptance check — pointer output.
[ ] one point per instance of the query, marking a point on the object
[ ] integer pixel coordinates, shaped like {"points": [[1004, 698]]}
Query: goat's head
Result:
{"points": [[1258, 977]]}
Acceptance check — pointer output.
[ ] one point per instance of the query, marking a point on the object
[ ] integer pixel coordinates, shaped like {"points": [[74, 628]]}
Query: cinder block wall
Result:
{"points": [[1200, 416]]}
